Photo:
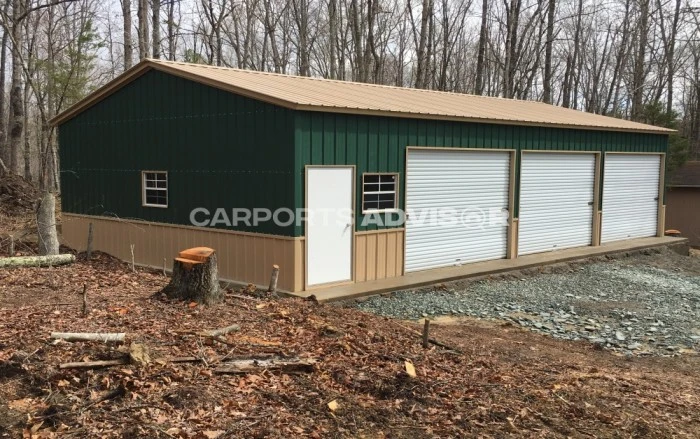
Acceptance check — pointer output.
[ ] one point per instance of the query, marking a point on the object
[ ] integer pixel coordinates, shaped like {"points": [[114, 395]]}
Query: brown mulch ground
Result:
{"points": [[505, 383], [18, 199], [17, 195]]}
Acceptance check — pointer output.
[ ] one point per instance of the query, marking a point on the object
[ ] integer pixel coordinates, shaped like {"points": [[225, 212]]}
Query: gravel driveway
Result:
{"points": [[645, 304]]}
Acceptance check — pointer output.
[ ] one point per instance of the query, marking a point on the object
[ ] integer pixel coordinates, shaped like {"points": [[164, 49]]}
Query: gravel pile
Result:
{"points": [[635, 309]]}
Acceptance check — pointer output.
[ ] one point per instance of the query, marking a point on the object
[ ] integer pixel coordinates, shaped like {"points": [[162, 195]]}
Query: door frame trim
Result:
{"points": [[353, 185], [512, 221]]}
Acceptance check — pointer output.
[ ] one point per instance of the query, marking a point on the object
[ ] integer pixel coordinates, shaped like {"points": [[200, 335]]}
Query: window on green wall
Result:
{"points": [[154, 188], [379, 192]]}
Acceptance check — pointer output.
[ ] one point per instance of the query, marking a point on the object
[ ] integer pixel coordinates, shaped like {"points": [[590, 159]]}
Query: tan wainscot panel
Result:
{"points": [[243, 257], [378, 254]]}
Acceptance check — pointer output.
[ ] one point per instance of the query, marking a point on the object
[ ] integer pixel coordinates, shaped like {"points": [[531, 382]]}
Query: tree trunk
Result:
{"points": [[171, 30], [509, 66], [16, 107], [4, 151], [638, 75], [142, 14], [422, 52], [46, 225], [547, 85], [128, 47], [195, 277], [479, 83], [156, 29], [670, 57], [332, 32]]}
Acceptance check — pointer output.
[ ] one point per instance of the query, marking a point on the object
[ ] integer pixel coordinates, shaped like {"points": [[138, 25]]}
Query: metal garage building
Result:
{"points": [[165, 155]]}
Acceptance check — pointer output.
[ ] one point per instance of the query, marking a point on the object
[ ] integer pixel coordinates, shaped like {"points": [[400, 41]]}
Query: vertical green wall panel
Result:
{"points": [[220, 150], [378, 144]]}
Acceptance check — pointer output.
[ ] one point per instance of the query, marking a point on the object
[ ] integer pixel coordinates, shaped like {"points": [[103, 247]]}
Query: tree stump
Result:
{"points": [[195, 277]]}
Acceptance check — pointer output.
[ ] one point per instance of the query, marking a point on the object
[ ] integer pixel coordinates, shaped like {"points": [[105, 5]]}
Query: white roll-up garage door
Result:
{"points": [[457, 202], [556, 201], [630, 196]]}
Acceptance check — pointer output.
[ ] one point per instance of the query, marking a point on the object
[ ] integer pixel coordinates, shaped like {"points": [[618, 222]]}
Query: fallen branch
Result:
{"points": [[249, 365], [221, 331], [107, 337], [93, 364], [120, 390], [36, 261], [239, 296]]}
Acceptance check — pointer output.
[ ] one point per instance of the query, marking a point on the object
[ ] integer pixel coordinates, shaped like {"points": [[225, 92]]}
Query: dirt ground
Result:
{"points": [[503, 382]]}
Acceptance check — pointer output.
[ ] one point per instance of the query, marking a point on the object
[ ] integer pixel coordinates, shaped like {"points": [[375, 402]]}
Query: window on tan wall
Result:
{"points": [[379, 192], [155, 188]]}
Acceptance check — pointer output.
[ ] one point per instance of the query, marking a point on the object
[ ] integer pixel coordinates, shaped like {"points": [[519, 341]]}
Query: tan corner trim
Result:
{"points": [[511, 234], [512, 251], [661, 219], [596, 230], [181, 226]]}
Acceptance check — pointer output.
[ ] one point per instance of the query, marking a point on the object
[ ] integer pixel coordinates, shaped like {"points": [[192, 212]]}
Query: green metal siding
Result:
{"points": [[378, 144], [220, 150]]}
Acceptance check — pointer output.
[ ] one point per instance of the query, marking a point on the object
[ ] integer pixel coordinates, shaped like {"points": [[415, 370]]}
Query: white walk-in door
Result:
{"points": [[630, 196], [457, 206], [329, 225], [556, 201]]}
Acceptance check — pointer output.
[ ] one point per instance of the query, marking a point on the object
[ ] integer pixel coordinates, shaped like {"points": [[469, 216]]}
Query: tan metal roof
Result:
{"points": [[315, 94]]}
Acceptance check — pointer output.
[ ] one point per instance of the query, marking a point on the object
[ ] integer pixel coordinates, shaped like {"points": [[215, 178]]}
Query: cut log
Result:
{"points": [[250, 365], [36, 261], [115, 337], [195, 277], [93, 364], [46, 225]]}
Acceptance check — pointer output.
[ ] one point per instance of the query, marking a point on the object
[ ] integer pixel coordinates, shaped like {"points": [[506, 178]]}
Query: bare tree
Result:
{"points": [[549, 46], [128, 48], [642, 34], [142, 14], [155, 8]]}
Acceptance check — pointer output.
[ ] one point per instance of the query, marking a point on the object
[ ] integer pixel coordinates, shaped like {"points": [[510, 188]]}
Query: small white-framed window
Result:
{"points": [[379, 192], [154, 188]]}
